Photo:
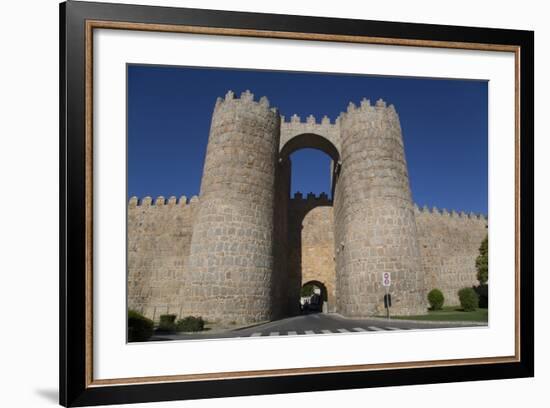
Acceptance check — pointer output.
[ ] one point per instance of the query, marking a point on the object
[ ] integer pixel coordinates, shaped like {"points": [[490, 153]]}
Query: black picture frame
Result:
{"points": [[76, 389]]}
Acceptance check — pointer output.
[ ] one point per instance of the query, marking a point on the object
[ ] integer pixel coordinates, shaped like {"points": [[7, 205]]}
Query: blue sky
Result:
{"points": [[444, 125]]}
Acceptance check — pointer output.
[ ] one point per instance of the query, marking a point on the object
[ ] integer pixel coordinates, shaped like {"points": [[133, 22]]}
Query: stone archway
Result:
{"points": [[319, 297], [296, 135], [311, 140], [309, 221]]}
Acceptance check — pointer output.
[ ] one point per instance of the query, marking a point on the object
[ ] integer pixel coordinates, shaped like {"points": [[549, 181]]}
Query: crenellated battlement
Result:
{"points": [[452, 214], [309, 120], [246, 97], [295, 126], [365, 106], [161, 201], [300, 197], [310, 197]]}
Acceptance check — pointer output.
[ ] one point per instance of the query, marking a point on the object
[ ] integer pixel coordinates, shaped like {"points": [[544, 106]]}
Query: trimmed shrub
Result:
{"points": [[190, 324], [167, 323], [436, 299], [468, 299], [483, 295], [140, 328]]}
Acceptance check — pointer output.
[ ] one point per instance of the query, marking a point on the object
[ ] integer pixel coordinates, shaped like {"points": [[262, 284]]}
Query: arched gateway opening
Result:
{"points": [[314, 297], [309, 221]]}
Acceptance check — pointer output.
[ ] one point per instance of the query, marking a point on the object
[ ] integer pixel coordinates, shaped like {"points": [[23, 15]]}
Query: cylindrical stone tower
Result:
{"points": [[231, 258], [375, 227]]}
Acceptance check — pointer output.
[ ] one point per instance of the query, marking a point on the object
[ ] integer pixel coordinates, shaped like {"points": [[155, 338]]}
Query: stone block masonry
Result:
{"points": [[231, 257], [159, 240], [375, 225], [449, 245], [243, 250]]}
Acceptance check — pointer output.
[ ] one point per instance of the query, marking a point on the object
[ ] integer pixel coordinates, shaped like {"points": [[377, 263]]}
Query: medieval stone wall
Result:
{"points": [[242, 253], [449, 244], [159, 239]]}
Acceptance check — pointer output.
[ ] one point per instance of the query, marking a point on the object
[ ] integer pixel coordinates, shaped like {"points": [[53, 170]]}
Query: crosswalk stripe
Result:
{"points": [[356, 329]]}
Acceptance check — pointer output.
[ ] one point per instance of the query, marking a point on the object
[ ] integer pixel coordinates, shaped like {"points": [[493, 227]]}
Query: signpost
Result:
{"points": [[386, 282]]}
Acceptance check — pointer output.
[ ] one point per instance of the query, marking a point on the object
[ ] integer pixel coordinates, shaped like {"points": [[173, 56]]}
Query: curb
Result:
{"points": [[251, 326], [433, 322]]}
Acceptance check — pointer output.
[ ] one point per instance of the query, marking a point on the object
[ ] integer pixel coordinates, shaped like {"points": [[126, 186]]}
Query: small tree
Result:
{"points": [[436, 299], [482, 262]]}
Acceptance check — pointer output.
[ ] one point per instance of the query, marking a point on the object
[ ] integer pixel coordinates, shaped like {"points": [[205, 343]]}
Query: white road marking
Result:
{"points": [[359, 329], [393, 328], [292, 333], [255, 334], [374, 328], [309, 332], [326, 331], [274, 333], [343, 331]]}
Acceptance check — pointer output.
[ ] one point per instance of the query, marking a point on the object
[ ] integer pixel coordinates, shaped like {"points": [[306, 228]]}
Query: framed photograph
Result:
{"points": [[257, 204]]}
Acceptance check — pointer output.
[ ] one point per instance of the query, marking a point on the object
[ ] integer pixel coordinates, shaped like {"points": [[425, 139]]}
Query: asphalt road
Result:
{"points": [[316, 324]]}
